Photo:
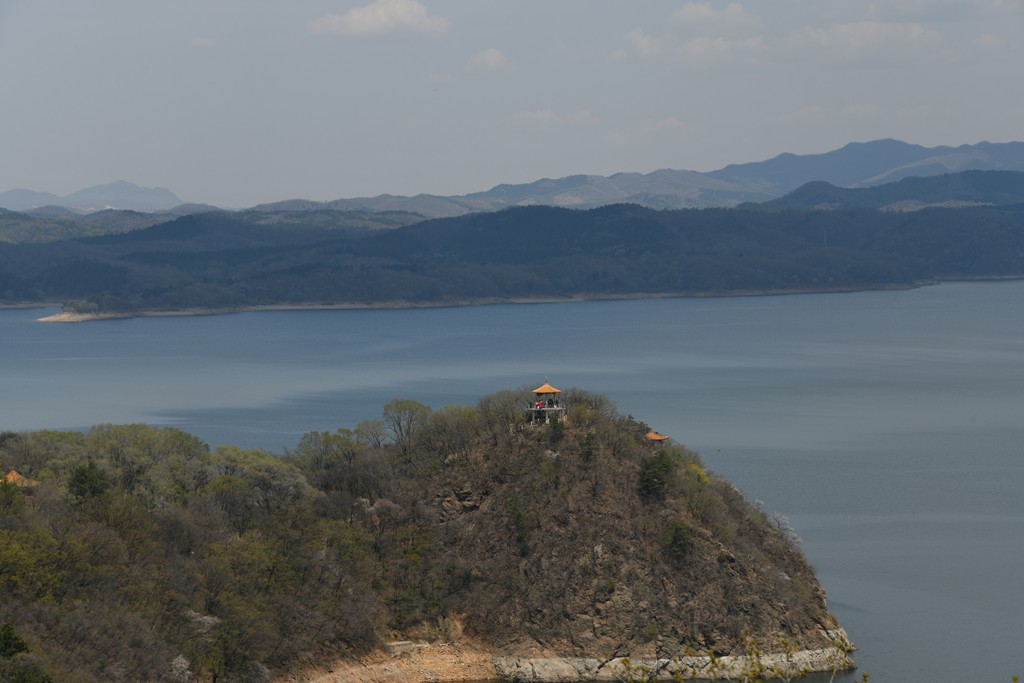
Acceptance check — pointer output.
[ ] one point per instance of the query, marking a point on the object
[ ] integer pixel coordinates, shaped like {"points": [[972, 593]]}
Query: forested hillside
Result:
{"points": [[51, 224], [132, 553], [225, 261], [995, 188]]}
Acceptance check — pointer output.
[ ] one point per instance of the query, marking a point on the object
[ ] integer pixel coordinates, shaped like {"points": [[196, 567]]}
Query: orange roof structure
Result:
{"points": [[546, 389], [655, 436], [13, 477]]}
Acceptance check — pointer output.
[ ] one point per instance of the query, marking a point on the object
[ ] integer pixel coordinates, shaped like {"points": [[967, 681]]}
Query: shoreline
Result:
{"points": [[451, 662], [71, 317]]}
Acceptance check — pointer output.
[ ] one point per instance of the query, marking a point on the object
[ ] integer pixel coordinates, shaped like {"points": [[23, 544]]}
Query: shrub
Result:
{"points": [[655, 473], [676, 540], [10, 642]]}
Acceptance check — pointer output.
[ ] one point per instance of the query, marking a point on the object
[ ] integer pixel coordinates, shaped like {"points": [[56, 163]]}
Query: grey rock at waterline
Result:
{"points": [[549, 670], [566, 669]]}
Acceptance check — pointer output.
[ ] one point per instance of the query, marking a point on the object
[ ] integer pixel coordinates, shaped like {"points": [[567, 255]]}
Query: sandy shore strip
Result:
{"points": [[72, 317]]}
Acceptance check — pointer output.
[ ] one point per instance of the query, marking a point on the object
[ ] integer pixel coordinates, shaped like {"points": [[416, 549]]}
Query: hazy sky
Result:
{"points": [[236, 102]]}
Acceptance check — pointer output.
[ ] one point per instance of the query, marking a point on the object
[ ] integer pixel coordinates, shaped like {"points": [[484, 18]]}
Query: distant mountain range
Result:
{"points": [[857, 165], [865, 164], [117, 195]]}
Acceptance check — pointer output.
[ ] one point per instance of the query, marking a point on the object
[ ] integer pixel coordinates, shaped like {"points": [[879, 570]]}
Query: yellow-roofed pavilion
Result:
{"points": [[546, 405]]}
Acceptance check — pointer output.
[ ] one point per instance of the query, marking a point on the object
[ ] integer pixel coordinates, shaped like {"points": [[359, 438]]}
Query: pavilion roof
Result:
{"points": [[655, 436], [546, 389], [13, 477]]}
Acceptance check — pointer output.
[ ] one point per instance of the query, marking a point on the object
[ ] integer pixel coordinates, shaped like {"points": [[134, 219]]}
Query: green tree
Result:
{"points": [[449, 432], [654, 475], [504, 412], [371, 432], [88, 481], [402, 418], [31, 563], [677, 541], [328, 456], [235, 498], [12, 500], [10, 642], [20, 670]]}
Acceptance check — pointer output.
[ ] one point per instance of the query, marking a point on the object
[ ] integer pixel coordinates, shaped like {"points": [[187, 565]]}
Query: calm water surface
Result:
{"points": [[887, 426]]}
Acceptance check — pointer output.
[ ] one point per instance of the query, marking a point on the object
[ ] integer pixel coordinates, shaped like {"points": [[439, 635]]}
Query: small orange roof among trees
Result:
{"points": [[546, 389], [13, 477], [655, 436]]}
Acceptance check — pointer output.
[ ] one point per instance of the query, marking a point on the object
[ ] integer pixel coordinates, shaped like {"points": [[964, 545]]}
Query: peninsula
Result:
{"points": [[560, 542]]}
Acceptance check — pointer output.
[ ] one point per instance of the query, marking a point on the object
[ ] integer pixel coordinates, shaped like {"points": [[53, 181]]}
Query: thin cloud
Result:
{"points": [[892, 8], [734, 15], [643, 44], [871, 37], [490, 59], [708, 50], [695, 12], [379, 17]]}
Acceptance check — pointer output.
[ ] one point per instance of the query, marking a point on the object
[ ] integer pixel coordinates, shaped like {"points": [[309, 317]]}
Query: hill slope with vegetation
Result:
{"points": [[133, 553], [995, 188], [228, 261], [53, 224]]}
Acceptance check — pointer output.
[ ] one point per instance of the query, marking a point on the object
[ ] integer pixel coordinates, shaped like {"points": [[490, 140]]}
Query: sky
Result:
{"points": [[238, 102]]}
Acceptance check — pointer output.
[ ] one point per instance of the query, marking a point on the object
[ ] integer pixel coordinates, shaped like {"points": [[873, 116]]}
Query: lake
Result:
{"points": [[888, 426]]}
